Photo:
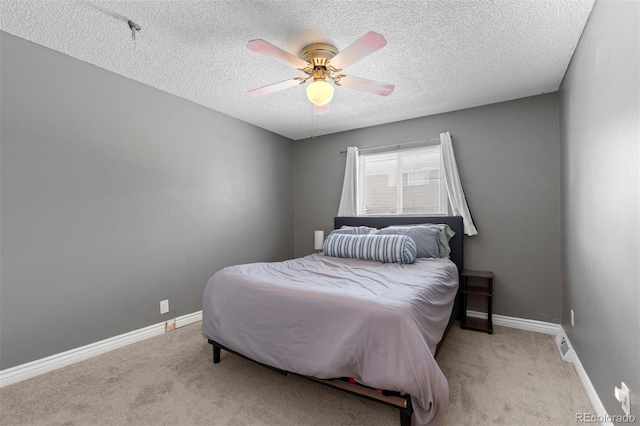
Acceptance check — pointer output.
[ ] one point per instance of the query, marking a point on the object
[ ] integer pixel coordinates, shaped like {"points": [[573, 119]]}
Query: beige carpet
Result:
{"points": [[511, 377]]}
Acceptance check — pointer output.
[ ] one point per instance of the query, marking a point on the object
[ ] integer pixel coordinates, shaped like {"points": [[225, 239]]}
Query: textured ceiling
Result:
{"points": [[441, 55]]}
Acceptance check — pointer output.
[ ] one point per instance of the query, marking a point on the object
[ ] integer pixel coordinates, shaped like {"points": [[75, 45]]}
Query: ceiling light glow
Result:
{"points": [[320, 92]]}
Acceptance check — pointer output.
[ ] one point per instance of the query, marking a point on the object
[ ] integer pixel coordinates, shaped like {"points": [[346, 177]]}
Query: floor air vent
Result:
{"points": [[566, 351]]}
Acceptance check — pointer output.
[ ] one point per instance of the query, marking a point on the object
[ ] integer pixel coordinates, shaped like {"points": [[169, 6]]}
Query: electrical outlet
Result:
{"points": [[573, 321], [170, 325], [622, 395], [164, 306]]}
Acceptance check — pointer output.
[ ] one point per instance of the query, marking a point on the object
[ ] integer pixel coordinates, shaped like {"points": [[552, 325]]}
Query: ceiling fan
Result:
{"points": [[322, 62]]}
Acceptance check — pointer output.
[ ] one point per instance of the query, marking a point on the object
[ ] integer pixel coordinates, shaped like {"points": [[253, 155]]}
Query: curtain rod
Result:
{"points": [[395, 145]]}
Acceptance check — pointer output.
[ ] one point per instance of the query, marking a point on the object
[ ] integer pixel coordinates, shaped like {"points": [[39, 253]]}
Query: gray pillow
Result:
{"points": [[427, 238], [445, 235], [356, 230]]}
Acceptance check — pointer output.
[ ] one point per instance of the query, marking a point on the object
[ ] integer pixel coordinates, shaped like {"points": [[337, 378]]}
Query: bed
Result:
{"points": [[362, 326]]}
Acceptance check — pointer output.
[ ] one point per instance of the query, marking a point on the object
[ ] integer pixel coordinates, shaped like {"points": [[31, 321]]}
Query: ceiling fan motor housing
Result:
{"points": [[318, 54]]}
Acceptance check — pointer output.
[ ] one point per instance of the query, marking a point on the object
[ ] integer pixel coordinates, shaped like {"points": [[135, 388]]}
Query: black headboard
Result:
{"points": [[454, 222]]}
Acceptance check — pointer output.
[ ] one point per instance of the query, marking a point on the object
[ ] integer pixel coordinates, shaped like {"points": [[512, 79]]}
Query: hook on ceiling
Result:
{"points": [[134, 28], [132, 25]]}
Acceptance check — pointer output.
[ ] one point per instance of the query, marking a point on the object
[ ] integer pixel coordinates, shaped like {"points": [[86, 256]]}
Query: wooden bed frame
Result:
{"points": [[395, 399]]}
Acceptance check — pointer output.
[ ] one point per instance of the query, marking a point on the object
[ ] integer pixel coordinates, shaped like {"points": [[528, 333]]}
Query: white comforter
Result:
{"points": [[329, 317]]}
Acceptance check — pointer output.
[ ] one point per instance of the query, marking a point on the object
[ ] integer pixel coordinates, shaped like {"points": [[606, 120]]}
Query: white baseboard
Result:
{"points": [[53, 362], [520, 323], [554, 329], [597, 405], [188, 319], [40, 366]]}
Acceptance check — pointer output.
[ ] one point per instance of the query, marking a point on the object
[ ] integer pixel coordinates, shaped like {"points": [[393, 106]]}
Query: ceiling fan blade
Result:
{"points": [[364, 46], [276, 53], [364, 85], [319, 110], [272, 88]]}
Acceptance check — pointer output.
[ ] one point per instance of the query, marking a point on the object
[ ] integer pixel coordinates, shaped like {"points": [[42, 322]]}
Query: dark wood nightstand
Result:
{"points": [[481, 285]]}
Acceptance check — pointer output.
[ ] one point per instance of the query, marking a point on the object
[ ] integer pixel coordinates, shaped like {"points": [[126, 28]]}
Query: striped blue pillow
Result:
{"points": [[383, 248]]}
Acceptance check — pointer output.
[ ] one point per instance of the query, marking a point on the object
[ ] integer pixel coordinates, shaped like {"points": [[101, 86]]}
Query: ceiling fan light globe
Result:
{"points": [[320, 92]]}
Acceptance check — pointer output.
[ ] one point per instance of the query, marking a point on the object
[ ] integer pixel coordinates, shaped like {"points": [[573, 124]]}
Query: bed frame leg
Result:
{"points": [[405, 413], [405, 419], [216, 353]]}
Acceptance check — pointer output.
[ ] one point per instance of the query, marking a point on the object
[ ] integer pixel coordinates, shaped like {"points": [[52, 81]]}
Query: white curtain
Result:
{"points": [[454, 186], [349, 199]]}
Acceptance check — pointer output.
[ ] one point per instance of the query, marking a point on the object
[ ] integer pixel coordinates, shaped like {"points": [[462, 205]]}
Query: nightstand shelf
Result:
{"points": [[482, 287]]}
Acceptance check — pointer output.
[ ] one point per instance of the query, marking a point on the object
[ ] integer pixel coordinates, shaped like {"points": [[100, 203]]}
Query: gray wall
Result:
{"points": [[115, 196], [508, 156], [601, 197]]}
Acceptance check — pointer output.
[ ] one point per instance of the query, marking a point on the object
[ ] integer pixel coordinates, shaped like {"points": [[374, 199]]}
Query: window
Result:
{"points": [[422, 189]]}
